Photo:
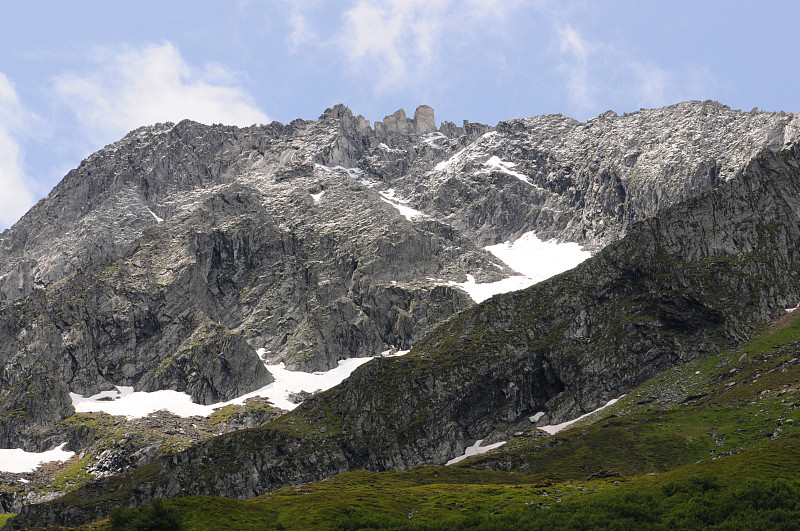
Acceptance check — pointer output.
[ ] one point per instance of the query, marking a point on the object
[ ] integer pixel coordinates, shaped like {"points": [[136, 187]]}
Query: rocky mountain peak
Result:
{"points": [[325, 239], [424, 121], [397, 124], [196, 259], [338, 111]]}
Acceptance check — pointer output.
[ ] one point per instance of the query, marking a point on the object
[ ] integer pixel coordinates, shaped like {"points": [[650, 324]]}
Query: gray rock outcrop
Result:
{"points": [[168, 258], [696, 278]]}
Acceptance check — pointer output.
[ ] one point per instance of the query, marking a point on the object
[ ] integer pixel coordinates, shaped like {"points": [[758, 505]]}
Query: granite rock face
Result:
{"points": [[293, 238], [168, 258], [698, 277], [588, 182], [583, 182], [262, 249]]}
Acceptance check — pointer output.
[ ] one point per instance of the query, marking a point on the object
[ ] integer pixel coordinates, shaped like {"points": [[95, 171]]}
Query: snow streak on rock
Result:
{"points": [[409, 213], [555, 428], [18, 461], [535, 259], [137, 404], [475, 449]]}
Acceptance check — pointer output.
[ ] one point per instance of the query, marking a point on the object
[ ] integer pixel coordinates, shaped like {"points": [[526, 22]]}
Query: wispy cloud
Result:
{"points": [[572, 43], [394, 37], [15, 195], [139, 86], [401, 42], [598, 75], [576, 68], [301, 31]]}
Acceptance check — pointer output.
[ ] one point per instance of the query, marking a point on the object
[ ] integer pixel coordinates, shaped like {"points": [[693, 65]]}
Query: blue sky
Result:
{"points": [[77, 75]]}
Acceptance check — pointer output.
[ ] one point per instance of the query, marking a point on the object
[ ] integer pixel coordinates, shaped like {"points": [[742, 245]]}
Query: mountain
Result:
{"points": [[170, 259], [712, 443]]}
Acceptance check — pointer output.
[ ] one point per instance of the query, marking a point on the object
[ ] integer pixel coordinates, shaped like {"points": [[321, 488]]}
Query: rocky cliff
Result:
{"points": [[167, 259], [697, 277], [606, 173]]}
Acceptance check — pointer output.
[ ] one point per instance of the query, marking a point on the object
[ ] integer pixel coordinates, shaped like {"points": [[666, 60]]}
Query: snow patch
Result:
{"points": [[445, 164], [158, 219], [388, 354], [535, 418], [495, 164], [481, 292], [18, 461], [287, 382], [537, 259], [555, 428], [389, 196], [357, 174], [788, 310], [352, 172], [137, 404], [384, 147], [432, 138], [475, 449], [409, 213], [318, 196]]}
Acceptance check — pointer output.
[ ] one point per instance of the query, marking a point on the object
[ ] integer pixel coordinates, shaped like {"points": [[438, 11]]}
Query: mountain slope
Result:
{"points": [[185, 256], [583, 182], [698, 277], [682, 450]]}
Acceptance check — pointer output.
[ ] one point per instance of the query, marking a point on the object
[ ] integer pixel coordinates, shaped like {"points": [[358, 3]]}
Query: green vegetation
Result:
{"points": [[708, 445], [153, 517], [74, 474], [717, 494], [253, 407]]}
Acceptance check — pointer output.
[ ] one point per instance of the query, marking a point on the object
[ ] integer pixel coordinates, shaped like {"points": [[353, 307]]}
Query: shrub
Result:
{"points": [[153, 517]]}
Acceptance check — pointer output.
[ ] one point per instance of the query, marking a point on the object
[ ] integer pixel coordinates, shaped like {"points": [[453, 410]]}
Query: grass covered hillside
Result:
{"points": [[711, 444], [654, 316]]}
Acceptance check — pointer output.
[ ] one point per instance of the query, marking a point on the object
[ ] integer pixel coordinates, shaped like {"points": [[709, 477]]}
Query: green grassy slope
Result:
{"points": [[715, 442], [680, 287]]}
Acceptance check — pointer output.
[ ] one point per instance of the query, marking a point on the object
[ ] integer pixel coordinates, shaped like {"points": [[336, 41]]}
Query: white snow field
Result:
{"points": [[137, 404], [537, 259], [534, 259], [555, 428], [475, 449], [389, 196], [486, 290], [18, 461]]}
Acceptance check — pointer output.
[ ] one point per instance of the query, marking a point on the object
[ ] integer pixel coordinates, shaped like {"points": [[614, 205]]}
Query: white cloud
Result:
{"points": [[15, 196], [400, 42], [572, 43], [391, 35], [576, 70], [301, 31], [599, 75], [651, 83], [136, 87]]}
